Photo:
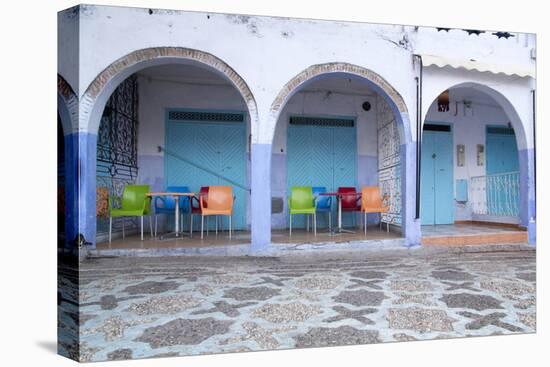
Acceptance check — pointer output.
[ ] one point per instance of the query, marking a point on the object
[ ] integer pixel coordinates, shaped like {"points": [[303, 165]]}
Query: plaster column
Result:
{"points": [[80, 188], [410, 225], [527, 208], [260, 197]]}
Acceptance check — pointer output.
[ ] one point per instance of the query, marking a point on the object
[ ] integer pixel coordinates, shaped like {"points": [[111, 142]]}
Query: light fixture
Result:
{"points": [[443, 102]]}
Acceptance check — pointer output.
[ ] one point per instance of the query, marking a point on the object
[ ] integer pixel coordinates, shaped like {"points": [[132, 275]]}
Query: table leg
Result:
{"points": [[177, 216], [339, 214], [177, 230], [340, 227]]}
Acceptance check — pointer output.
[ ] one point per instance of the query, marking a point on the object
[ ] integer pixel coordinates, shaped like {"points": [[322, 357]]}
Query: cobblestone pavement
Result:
{"points": [[153, 307]]}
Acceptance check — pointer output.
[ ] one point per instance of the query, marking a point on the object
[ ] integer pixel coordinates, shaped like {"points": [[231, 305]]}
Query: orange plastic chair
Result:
{"points": [[220, 202], [373, 202]]}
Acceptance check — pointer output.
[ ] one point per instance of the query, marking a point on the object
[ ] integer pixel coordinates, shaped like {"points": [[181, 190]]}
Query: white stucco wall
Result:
{"points": [[272, 50]]}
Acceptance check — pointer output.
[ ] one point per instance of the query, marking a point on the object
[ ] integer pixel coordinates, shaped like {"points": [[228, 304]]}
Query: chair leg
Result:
{"points": [[141, 227], [307, 223], [216, 225], [110, 228], [365, 222], [387, 227], [190, 225], [230, 227], [290, 227], [314, 224], [151, 225], [380, 221], [202, 226]]}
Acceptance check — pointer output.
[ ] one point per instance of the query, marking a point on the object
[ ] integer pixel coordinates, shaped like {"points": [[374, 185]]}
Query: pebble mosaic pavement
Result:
{"points": [[134, 308]]}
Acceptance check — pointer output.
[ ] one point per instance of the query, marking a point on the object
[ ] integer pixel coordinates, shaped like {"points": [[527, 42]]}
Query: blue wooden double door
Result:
{"points": [[218, 153], [321, 156], [502, 183], [436, 176]]}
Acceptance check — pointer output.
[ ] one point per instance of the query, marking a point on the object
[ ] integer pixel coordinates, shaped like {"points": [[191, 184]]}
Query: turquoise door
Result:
{"points": [[437, 199], [502, 151], [321, 156], [502, 167], [216, 147]]}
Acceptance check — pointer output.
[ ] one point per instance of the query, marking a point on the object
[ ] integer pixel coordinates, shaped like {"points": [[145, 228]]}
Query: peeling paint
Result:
{"points": [[87, 10], [238, 19], [250, 22], [71, 13], [287, 34]]}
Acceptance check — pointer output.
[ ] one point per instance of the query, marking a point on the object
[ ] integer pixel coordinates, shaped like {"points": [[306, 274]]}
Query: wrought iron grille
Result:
{"points": [[117, 143], [496, 194]]}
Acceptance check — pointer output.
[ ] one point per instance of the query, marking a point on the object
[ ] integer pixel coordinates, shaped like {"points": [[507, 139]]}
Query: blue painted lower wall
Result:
{"points": [[410, 225], [260, 197], [151, 171], [80, 187], [527, 192], [367, 175]]}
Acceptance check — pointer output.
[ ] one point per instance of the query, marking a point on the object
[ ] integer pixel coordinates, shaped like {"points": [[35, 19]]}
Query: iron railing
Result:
{"points": [[496, 194]]}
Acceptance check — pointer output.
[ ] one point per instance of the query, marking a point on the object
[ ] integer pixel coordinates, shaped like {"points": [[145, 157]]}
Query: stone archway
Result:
{"points": [[67, 105], [526, 153], [261, 164], [99, 90], [374, 80], [94, 99]]}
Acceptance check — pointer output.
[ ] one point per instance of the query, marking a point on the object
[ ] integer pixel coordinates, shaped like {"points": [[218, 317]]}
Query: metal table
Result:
{"points": [[176, 196], [338, 196]]}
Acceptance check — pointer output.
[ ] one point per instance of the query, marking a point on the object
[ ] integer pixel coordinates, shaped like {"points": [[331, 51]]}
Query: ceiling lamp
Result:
{"points": [[443, 102]]}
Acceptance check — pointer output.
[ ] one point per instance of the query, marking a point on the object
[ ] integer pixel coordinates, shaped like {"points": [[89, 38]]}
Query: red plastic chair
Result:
{"points": [[196, 209], [351, 202]]}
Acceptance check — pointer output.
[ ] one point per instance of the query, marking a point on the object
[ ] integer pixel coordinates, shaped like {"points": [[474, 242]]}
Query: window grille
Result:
{"points": [[321, 121], [205, 116]]}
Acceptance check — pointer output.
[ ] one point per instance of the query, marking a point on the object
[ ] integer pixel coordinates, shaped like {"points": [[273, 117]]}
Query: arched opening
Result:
{"points": [[471, 170], [170, 118], [339, 126]]}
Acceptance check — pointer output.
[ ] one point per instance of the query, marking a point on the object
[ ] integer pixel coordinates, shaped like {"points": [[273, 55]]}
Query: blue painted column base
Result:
{"points": [[410, 225], [80, 191], [527, 193], [260, 182]]}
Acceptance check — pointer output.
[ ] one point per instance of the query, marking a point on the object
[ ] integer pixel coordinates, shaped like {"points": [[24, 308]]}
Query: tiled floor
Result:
{"points": [[452, 235], [242, 237], [472, 234], [151, 307], [465, 229]]}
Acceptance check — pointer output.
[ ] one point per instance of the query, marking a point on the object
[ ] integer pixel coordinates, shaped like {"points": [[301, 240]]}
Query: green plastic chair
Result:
{"points": [[302, 201], [134, 203]]}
